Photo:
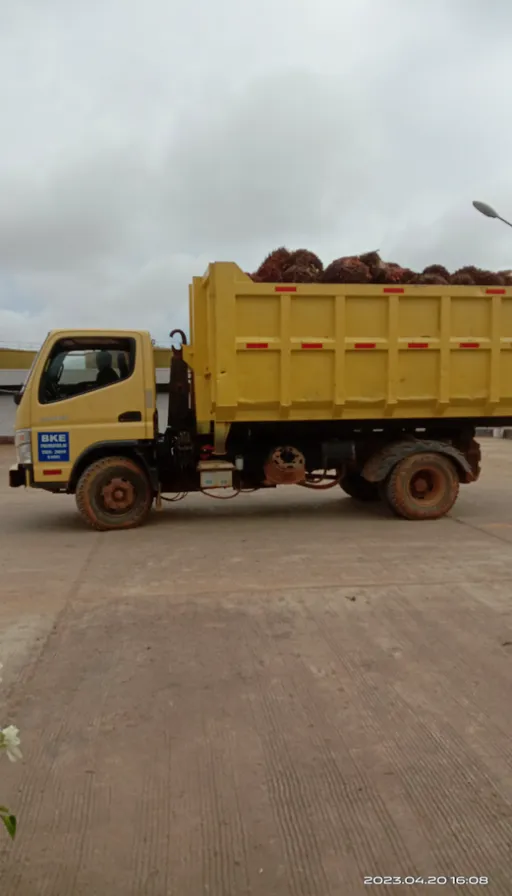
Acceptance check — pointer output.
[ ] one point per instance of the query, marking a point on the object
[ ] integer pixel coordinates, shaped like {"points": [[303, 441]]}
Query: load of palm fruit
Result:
{"points": [[347, 270], [303, 266]]}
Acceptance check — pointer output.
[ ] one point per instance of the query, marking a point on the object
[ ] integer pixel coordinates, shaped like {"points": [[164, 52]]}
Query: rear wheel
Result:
{"points": [[422, 487], [114, 493], [359, 488]]}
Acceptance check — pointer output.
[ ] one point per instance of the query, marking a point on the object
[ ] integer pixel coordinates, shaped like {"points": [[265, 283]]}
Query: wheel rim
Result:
{"points": [[427, 486], [118, 495]]}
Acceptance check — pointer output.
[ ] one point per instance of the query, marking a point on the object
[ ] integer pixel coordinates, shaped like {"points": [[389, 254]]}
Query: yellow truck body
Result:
{"points": [[377, 389], [270, 352]]}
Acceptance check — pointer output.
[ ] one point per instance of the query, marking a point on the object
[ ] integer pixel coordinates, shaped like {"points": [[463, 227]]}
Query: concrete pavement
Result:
{"points": [[276, 695]]}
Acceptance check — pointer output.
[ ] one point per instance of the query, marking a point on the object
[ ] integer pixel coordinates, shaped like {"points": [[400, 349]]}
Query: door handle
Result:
{"points": [[130, 417]]}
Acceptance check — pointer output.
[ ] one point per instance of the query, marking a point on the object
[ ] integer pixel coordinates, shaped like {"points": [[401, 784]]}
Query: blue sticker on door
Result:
{"points": [[53, 447]]}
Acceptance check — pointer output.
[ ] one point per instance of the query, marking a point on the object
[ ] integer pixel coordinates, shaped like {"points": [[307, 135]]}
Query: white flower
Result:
{"points": [[10, 742]]}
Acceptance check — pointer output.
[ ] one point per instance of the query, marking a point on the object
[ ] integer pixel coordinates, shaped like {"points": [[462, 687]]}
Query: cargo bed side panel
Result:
{"points": [[348, 351]]}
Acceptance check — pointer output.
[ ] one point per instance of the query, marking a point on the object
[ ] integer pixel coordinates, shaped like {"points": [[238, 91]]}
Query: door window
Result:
{"points": [[77, 366]]}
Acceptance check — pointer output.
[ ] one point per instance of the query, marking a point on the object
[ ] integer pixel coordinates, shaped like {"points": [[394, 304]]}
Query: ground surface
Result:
{"points": [[273, 696]]}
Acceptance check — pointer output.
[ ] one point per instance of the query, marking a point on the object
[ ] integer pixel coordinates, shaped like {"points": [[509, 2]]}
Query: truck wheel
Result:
{"points": [[114, 493], [422, 487], [359, 488]]}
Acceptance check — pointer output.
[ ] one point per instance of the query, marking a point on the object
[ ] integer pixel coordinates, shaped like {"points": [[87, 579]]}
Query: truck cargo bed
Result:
{"points": [[263, 351]]}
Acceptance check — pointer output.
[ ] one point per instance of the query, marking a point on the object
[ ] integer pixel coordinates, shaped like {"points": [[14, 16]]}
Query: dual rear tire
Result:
{"points": [[419, 487]]}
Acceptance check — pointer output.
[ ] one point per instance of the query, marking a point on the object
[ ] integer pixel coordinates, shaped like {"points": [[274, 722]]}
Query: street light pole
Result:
{"points": [[489, 212]]}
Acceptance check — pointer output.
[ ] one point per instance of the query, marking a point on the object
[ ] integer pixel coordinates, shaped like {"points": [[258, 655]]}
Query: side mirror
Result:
{"points": [[17, 397]]}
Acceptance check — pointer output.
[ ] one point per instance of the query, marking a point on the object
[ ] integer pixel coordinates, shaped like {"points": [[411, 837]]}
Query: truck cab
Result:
{"points": [[89, 396]]}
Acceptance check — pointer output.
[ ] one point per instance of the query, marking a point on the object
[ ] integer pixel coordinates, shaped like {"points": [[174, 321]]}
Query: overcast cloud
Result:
{"points": [[142, 140]]}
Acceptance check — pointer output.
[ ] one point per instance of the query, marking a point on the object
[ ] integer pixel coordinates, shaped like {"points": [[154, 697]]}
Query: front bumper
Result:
{"points": [[17, 476]]}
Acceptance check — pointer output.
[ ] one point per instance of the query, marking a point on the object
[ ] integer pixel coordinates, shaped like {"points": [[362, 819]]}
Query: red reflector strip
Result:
{"points": [[286, 289], [495, 292], [256, 345], [52, 472], [312, 345], [417, 345], [365, 345], [469, 345], [393, 290]]}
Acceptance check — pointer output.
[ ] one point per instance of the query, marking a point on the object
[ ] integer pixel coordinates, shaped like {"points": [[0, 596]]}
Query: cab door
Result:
{"points": [[92, 389]]}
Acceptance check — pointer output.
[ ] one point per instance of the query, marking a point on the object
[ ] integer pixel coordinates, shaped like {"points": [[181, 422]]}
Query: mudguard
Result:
{"points": [[378, 467]]}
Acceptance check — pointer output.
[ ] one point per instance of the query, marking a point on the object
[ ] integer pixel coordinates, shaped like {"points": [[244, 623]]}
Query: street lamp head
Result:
{"points": [[485, 209]]}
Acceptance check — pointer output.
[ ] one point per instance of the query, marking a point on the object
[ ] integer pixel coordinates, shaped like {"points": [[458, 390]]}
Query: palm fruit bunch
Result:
{"points": [[472, 276], [438, 271], [303, 266], [467, 274], [374, 262], [488, 278], [272, 269], [347, 270], [462, 277], [433, 275]]}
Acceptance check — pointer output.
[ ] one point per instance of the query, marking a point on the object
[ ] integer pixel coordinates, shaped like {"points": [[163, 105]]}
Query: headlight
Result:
{"points": [[23, 443]]}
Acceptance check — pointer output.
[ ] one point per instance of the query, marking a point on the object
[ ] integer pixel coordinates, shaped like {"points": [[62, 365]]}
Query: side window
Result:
{"points": [[77, 366]]}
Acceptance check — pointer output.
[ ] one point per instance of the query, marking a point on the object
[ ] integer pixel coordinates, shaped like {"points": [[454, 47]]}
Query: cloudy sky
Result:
{"points": [[141, 140]]}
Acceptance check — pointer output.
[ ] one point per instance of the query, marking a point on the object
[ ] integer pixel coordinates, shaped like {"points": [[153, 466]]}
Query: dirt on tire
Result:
{"points": [[98, 477], [445, 483]]}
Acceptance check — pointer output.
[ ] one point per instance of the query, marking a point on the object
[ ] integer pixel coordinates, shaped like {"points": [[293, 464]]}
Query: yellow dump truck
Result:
{"points": [[373, 388]]}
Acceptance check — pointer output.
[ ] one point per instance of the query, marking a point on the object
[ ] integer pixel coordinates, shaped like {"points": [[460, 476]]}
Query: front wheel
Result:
{"points": [[422, 487], [357, 487], [114, 493]]}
